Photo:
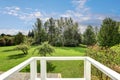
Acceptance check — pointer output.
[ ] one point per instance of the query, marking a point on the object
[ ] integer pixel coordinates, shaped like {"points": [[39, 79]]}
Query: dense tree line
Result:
{"points": [[9, 40], [108, 35], [6, 40], [58, 32], [65, 32]]}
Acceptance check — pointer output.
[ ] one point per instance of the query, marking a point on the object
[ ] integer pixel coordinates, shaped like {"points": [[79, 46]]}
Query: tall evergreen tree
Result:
{"points": [[51, 30], [89, 36], [31, 34], [39, 32], [108, 34]]}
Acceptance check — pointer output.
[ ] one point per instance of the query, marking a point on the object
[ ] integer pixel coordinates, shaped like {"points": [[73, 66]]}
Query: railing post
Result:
{"points": [[87, 70], [43, 69], [33, 70]]}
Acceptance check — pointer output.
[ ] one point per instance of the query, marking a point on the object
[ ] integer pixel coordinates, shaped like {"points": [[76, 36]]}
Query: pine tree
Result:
{"points": [[108, 34]]}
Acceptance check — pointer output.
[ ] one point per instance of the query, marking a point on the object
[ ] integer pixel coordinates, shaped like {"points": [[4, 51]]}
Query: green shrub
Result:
{"points": [[45, 49], [116, 49], [2, 42], [23, 47], [105, 56], [9, 41]]}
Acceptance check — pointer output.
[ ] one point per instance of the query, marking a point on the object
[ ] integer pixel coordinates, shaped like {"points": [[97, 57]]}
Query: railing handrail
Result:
{"points": [[60, 58], [15, 69], [109, 72]]}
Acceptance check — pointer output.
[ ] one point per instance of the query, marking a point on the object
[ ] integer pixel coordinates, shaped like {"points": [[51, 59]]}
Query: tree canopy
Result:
{"points": [[58, 32], [109, 34], [89, 36]]}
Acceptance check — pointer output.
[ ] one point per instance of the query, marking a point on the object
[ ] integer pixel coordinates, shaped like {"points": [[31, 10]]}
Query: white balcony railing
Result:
{"points": [[33, 68]]}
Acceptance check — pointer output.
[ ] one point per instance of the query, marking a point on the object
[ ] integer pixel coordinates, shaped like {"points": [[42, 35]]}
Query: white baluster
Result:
{"points": [[33, 70], [87, 70], [43, 69]]}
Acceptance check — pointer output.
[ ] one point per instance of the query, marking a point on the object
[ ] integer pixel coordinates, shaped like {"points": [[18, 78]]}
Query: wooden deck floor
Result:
{"points": [[26, 76]]}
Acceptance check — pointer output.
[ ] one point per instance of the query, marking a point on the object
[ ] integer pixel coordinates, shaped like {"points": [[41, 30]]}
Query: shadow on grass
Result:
{"points": [[8, 50], [16, 56], [50, 67]]}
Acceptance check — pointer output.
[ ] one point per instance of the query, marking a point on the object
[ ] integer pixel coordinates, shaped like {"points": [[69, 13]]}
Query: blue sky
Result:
{"points": [[20, 15]]}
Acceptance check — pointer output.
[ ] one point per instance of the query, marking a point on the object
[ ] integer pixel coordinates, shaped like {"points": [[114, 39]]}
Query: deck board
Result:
{"points": [[63, 79]]}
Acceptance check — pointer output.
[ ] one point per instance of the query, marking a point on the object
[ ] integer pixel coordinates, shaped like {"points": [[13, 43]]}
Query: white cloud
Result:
{"points": [[23, 15], [12, 10], [17, 8], [83, 15], [29, 16], [79, 3], [37, 14], [82, 28], [80, 13], [13, 31]]}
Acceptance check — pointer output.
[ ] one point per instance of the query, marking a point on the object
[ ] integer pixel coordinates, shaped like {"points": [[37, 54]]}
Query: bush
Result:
{"points": [[105, 56], [23, 47], [2, 42], [9, 41], [45, 49], [116, 49]]}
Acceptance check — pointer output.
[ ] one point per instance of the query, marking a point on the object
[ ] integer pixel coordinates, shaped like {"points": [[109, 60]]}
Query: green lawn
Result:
{"points": [[10, 58]]}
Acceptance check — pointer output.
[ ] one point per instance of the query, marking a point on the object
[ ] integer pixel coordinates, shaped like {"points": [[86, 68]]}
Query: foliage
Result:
{"points": [[45, 49], [6, 40], [39, 32], [89, 37], [9, 41], [116, 49], [31, 34], [108, 35], [23, 47], [57, 32], [19, 38], [28, 41], [2, 42], [2, 34], [51, 30], [71, 43], [71, 34], [105, 56]]}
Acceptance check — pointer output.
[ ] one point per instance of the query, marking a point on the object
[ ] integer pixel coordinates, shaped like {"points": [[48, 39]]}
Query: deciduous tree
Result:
{"points": [[89, 36]]}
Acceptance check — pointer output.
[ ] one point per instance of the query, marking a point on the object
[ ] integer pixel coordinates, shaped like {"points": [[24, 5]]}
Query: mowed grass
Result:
{"points": [[10, 58]]}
